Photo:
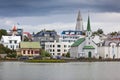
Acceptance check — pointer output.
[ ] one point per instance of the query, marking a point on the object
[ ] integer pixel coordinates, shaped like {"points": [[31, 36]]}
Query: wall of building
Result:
{"points": [[57, 48]]}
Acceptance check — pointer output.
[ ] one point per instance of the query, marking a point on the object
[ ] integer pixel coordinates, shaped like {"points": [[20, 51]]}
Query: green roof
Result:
{"points": [[78, 42], [30, 45], [88, 47], [88, 25]]}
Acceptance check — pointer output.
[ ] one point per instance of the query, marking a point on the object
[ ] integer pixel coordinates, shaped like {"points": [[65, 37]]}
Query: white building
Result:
{"points": [[84, 47], [109, 49], [57, 48], [11, 42]]}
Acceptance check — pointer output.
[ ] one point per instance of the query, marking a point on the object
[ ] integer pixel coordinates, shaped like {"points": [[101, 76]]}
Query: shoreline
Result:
{"points": [[61, 60]]}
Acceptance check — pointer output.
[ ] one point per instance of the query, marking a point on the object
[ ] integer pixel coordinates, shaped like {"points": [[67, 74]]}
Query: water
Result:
{"points": [[60, 71]]}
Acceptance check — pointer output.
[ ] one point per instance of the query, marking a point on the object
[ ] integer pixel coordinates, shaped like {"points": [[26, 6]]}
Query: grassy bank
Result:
{"points": [[45, 61]]}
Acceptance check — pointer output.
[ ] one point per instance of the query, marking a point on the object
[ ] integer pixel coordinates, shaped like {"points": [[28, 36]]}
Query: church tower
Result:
{"points": [[88, 33], [14, 31], [79, 24]]}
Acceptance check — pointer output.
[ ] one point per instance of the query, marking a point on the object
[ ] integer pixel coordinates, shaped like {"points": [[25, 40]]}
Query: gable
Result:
{"points": [[78, 42]]}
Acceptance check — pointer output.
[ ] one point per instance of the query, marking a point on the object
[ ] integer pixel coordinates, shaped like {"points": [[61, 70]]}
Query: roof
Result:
{"points": [[14, 28], [7, 38], [73, 32], [78, 42], [50, 33], [30, 45], [88, 47], [88, 25]]}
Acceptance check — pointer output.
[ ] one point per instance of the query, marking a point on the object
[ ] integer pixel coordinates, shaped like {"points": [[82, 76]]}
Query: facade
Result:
{"points": [[30, 49], [71, 36], [12, 42], [45, 36], [84, 47], [57, 48], [109, 49]]}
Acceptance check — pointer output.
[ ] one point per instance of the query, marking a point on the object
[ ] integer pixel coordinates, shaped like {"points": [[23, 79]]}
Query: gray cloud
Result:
{"points": [[15, 8]]}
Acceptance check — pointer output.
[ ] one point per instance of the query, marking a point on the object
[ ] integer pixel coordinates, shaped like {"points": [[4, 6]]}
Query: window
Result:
{"points": [[89, 38], [58, 46], [65, 46], [36, 52], [58, 53], [53, 54], [53, 50], [31, 51], [50, 50], [28, 51], [50, 45], [58, 50], [53, 45], [65, 50], [15, 41], [23, 51], [89, 42], [10, 41], [11, 46]]}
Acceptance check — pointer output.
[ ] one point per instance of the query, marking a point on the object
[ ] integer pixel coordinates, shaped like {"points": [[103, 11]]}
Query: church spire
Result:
{"points": [[79, 25], [88, 24]]}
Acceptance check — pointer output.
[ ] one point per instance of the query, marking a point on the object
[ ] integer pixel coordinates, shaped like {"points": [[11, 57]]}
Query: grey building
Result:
{"points": [[46, 36]]}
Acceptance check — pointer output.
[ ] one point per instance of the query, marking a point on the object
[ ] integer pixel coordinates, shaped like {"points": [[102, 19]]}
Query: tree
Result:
{"points": [[4, 50], [2, 32], [45, 54], [99, 31], [68, 54]]}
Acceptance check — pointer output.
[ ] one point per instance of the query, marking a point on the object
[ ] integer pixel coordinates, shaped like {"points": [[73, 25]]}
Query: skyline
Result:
{"points": [[59, 14]]}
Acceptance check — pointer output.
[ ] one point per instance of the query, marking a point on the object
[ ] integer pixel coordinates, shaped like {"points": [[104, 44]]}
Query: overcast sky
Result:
{"points": [[34, 15]]}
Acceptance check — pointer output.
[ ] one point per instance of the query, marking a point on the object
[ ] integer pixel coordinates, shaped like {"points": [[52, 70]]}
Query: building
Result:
{"points": [[109, 49], [79, 24], [57, 49], [46, 36], [84, 47], [12, 41], [30, 49], [71, 36]]}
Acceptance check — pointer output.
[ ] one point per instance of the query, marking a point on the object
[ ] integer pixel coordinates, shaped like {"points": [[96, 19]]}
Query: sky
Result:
{"points": [[59, 15]]}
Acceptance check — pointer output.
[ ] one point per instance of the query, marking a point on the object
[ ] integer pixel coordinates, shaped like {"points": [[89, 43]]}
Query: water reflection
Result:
{"points": [[60, 71]]}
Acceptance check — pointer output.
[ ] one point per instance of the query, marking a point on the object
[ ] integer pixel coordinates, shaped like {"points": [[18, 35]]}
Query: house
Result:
{"points": [[30, 48], [57, 49], [11, 42], [84, 47], [45, 36], [109, 49]]}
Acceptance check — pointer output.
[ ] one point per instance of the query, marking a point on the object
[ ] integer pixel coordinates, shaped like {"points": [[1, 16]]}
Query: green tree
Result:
{"points": [[100, 31], [68, 54], [45, 54], [2, 32], [4, 50]]}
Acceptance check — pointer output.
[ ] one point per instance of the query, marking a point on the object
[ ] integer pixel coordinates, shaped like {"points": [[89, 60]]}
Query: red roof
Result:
{"points": [[14, 28]]}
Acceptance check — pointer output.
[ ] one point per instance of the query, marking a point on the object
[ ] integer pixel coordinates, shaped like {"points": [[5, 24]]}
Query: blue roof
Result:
{"points": [[52, 33], [72, 32]]}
